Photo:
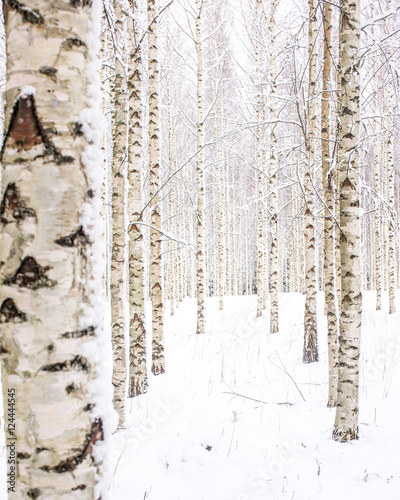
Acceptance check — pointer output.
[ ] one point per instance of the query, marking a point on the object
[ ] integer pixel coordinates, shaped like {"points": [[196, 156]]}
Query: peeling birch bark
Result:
{"points": [[46, 265]]}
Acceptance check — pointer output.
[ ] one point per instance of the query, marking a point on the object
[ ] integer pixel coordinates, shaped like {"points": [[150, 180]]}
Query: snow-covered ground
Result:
{"points": [[238, 416]]}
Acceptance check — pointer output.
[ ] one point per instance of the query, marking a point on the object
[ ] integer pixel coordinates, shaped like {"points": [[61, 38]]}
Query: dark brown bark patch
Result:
{"points": [[25, 131], [77, 363], [30, 275], [23, 456], [32, 16], [34, 493], [9, 313], [13, 206], [79, 487], [71, 463], [71, 43], [49, 71], [74, 239]]}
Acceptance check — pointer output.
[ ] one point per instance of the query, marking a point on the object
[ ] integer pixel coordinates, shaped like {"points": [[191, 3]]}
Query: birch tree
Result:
{"points": [[158, 363], [119, 162], [137, 330], [346, 422], [329, 198], [49, 274], [310, 351], [200, 261]]}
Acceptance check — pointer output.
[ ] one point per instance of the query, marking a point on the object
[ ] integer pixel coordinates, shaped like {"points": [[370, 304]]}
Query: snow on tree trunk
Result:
{"points": [[49, 274], [119, 162], [346, 422], [137, 330], [329, 198], [310, 350], [158, 363], [274, 266], [200, 220]]}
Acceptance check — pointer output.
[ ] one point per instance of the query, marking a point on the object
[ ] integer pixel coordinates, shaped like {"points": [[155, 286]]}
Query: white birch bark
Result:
{"points": [[346, 422], [119, 162], [137, 330], [200, 220], [310, 350], [46, 270], [329, 199], [274, 262], [158, 363], [378, 248]]}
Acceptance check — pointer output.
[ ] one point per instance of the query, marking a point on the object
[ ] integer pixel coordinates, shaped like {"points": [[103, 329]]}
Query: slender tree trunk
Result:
{"points": [[50, 278], [274, 266], [378, 242], [329, 198], [158, 363], [346, 422], [310, 351], [137, 330], [119, 162], [200, 262]]}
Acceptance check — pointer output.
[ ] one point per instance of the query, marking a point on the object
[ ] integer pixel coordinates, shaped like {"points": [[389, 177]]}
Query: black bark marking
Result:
{"points": [[80, 3], [34, 493], [70, 388], [70, 43], [14, 206], [50, 72], [23, 456], [88, 407], [76, 129], [3, 350], [74, 239], [71, 463], [25, 131], [77, 363], [30, 275], [9, 313], [79, 333], [32, 16], [79, 487]]}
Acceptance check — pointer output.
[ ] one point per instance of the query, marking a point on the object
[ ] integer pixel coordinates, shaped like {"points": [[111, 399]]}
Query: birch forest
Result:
{"points": [[200, 249]]}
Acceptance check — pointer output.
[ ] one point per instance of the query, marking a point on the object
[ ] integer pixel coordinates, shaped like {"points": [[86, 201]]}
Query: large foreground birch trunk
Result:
{"points": [[48, 326], [346, 423]]}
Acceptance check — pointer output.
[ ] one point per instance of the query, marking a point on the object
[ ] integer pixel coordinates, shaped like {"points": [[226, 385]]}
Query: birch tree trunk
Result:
{"points": [[48, 273], [346, 422], [119, 162], [378, 249], [310, 351], [390, 175], [329, 195], [158, 363], [137, 330], [274, 266], [200, 178]]}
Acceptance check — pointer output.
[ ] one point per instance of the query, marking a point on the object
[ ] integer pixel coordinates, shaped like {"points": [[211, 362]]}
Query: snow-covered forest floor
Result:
{"points": [[238, 416]]}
